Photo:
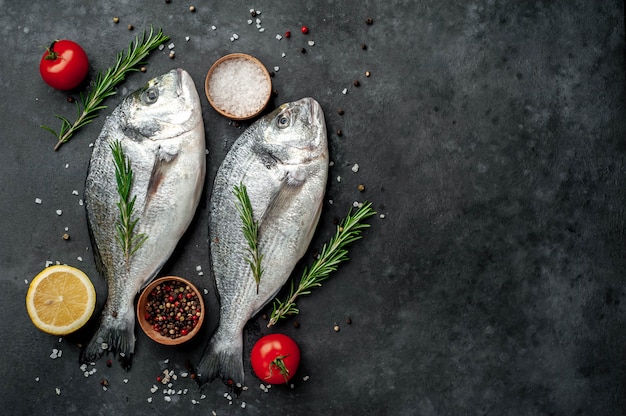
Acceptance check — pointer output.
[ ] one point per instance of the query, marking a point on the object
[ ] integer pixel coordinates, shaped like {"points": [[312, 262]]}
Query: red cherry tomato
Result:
{"points": [[275, 358], [64, 65]]}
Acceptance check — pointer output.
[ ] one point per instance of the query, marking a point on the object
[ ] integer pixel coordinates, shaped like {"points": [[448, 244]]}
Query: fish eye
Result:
{"points": [[283, 121], [151, 95]]}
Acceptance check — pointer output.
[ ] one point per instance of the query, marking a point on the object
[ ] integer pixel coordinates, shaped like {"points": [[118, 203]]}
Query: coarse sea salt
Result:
{"points": [[37, 200], [239, 87]]}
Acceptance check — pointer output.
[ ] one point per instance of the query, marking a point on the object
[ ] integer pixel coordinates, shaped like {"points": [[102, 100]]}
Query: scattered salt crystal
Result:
{"points": [[83, 367], [305, 378], [187, 38], [235, 36], [261, 29], [213, 27], [206, 291], [166, 361], [149, 399], [80, 202], [58, 391], [86, 374], [283, 55], [153, 389], [185, 391], [161, 47], [67, 165], [198, 268], [91, 144], [382, 216], [279, 37], [74, 192], [37, 379], [330, 201], [338, 178], [355, 168], [194, 401], [258, 21], [125, 381], [104, 388], [232, 39], [344, 91], [203, 396], [243, 405], [311, 43], [59, 212], [184, 374], [258, 12], [25, 281], [60, 339], [357, 204], [170, 46], [104, 346], [252, 11], [276, 68], [213, 413], [249, 21], [331, 163], [37, 200], [79, 258]]}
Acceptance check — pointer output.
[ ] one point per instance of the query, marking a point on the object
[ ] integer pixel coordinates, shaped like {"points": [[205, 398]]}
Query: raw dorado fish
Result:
{"points": [[282, 159], [161, 132]]}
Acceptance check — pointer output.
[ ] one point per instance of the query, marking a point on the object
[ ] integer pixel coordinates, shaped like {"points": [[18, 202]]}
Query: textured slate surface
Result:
{"points": [[489, 134]]}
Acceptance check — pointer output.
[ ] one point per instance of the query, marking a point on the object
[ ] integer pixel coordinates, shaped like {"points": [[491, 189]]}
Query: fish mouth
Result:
{"points": [[178, 74], [314, 110]]}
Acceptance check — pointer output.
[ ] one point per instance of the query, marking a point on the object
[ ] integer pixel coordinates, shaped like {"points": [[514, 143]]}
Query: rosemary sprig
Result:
{"points": [[250, 230], [125, 226], [103, 85], [333, 253]]}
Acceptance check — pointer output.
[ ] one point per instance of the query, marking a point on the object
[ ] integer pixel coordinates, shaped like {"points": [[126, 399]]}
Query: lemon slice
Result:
{"points": [[60, 299]]}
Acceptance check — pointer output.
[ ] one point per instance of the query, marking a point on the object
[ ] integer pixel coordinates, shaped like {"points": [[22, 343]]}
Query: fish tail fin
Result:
{"points": [[222, 359], [112, 337]]}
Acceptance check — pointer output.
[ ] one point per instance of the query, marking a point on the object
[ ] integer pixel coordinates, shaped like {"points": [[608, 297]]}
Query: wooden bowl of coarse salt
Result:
{"points": [[238, 86]]}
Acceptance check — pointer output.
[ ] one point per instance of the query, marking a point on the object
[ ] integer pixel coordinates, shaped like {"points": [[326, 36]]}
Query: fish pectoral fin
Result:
{"points": [[160, 168], [295, 176]]}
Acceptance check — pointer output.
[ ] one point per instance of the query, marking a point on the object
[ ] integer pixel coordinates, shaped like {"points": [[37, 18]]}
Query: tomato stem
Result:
{"points": [[51, 55], [279, 364]]}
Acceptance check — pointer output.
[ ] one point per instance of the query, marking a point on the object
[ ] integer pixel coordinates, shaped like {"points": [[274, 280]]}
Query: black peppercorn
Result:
{"points": [[369, 21]]}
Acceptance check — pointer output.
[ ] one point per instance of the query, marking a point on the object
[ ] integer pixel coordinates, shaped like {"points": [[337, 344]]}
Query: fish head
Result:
{"points": [[295, 133], [165, 107]]}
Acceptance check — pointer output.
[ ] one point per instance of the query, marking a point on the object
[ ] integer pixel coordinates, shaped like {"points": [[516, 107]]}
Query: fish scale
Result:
{"points": [[282, 159]]}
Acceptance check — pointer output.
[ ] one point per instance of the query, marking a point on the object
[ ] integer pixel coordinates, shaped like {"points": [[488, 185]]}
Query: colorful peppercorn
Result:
{"points": [[173, 309], [304, 30]]}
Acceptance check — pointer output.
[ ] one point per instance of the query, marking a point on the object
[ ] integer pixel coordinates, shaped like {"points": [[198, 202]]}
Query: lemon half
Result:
{"points": [[60, 299]]}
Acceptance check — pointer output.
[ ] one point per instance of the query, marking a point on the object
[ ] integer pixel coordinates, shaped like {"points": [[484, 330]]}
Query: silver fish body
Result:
{"points": [[282, 159], [161, 132]]}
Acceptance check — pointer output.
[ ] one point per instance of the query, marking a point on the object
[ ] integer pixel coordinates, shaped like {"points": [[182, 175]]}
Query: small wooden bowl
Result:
{"points": [[147, 327], [237, 89]]}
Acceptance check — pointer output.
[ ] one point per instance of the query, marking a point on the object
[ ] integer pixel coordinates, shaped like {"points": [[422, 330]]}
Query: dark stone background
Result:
{"points": [[491, 137]]}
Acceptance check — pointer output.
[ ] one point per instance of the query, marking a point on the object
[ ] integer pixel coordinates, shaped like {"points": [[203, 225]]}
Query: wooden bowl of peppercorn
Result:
{"points": [[170, 310]]}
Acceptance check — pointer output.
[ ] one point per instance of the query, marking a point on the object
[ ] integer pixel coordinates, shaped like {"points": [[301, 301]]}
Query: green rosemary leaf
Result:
{"points": [[250, 229], [128, 239], [333, 253], [103, 85]]}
